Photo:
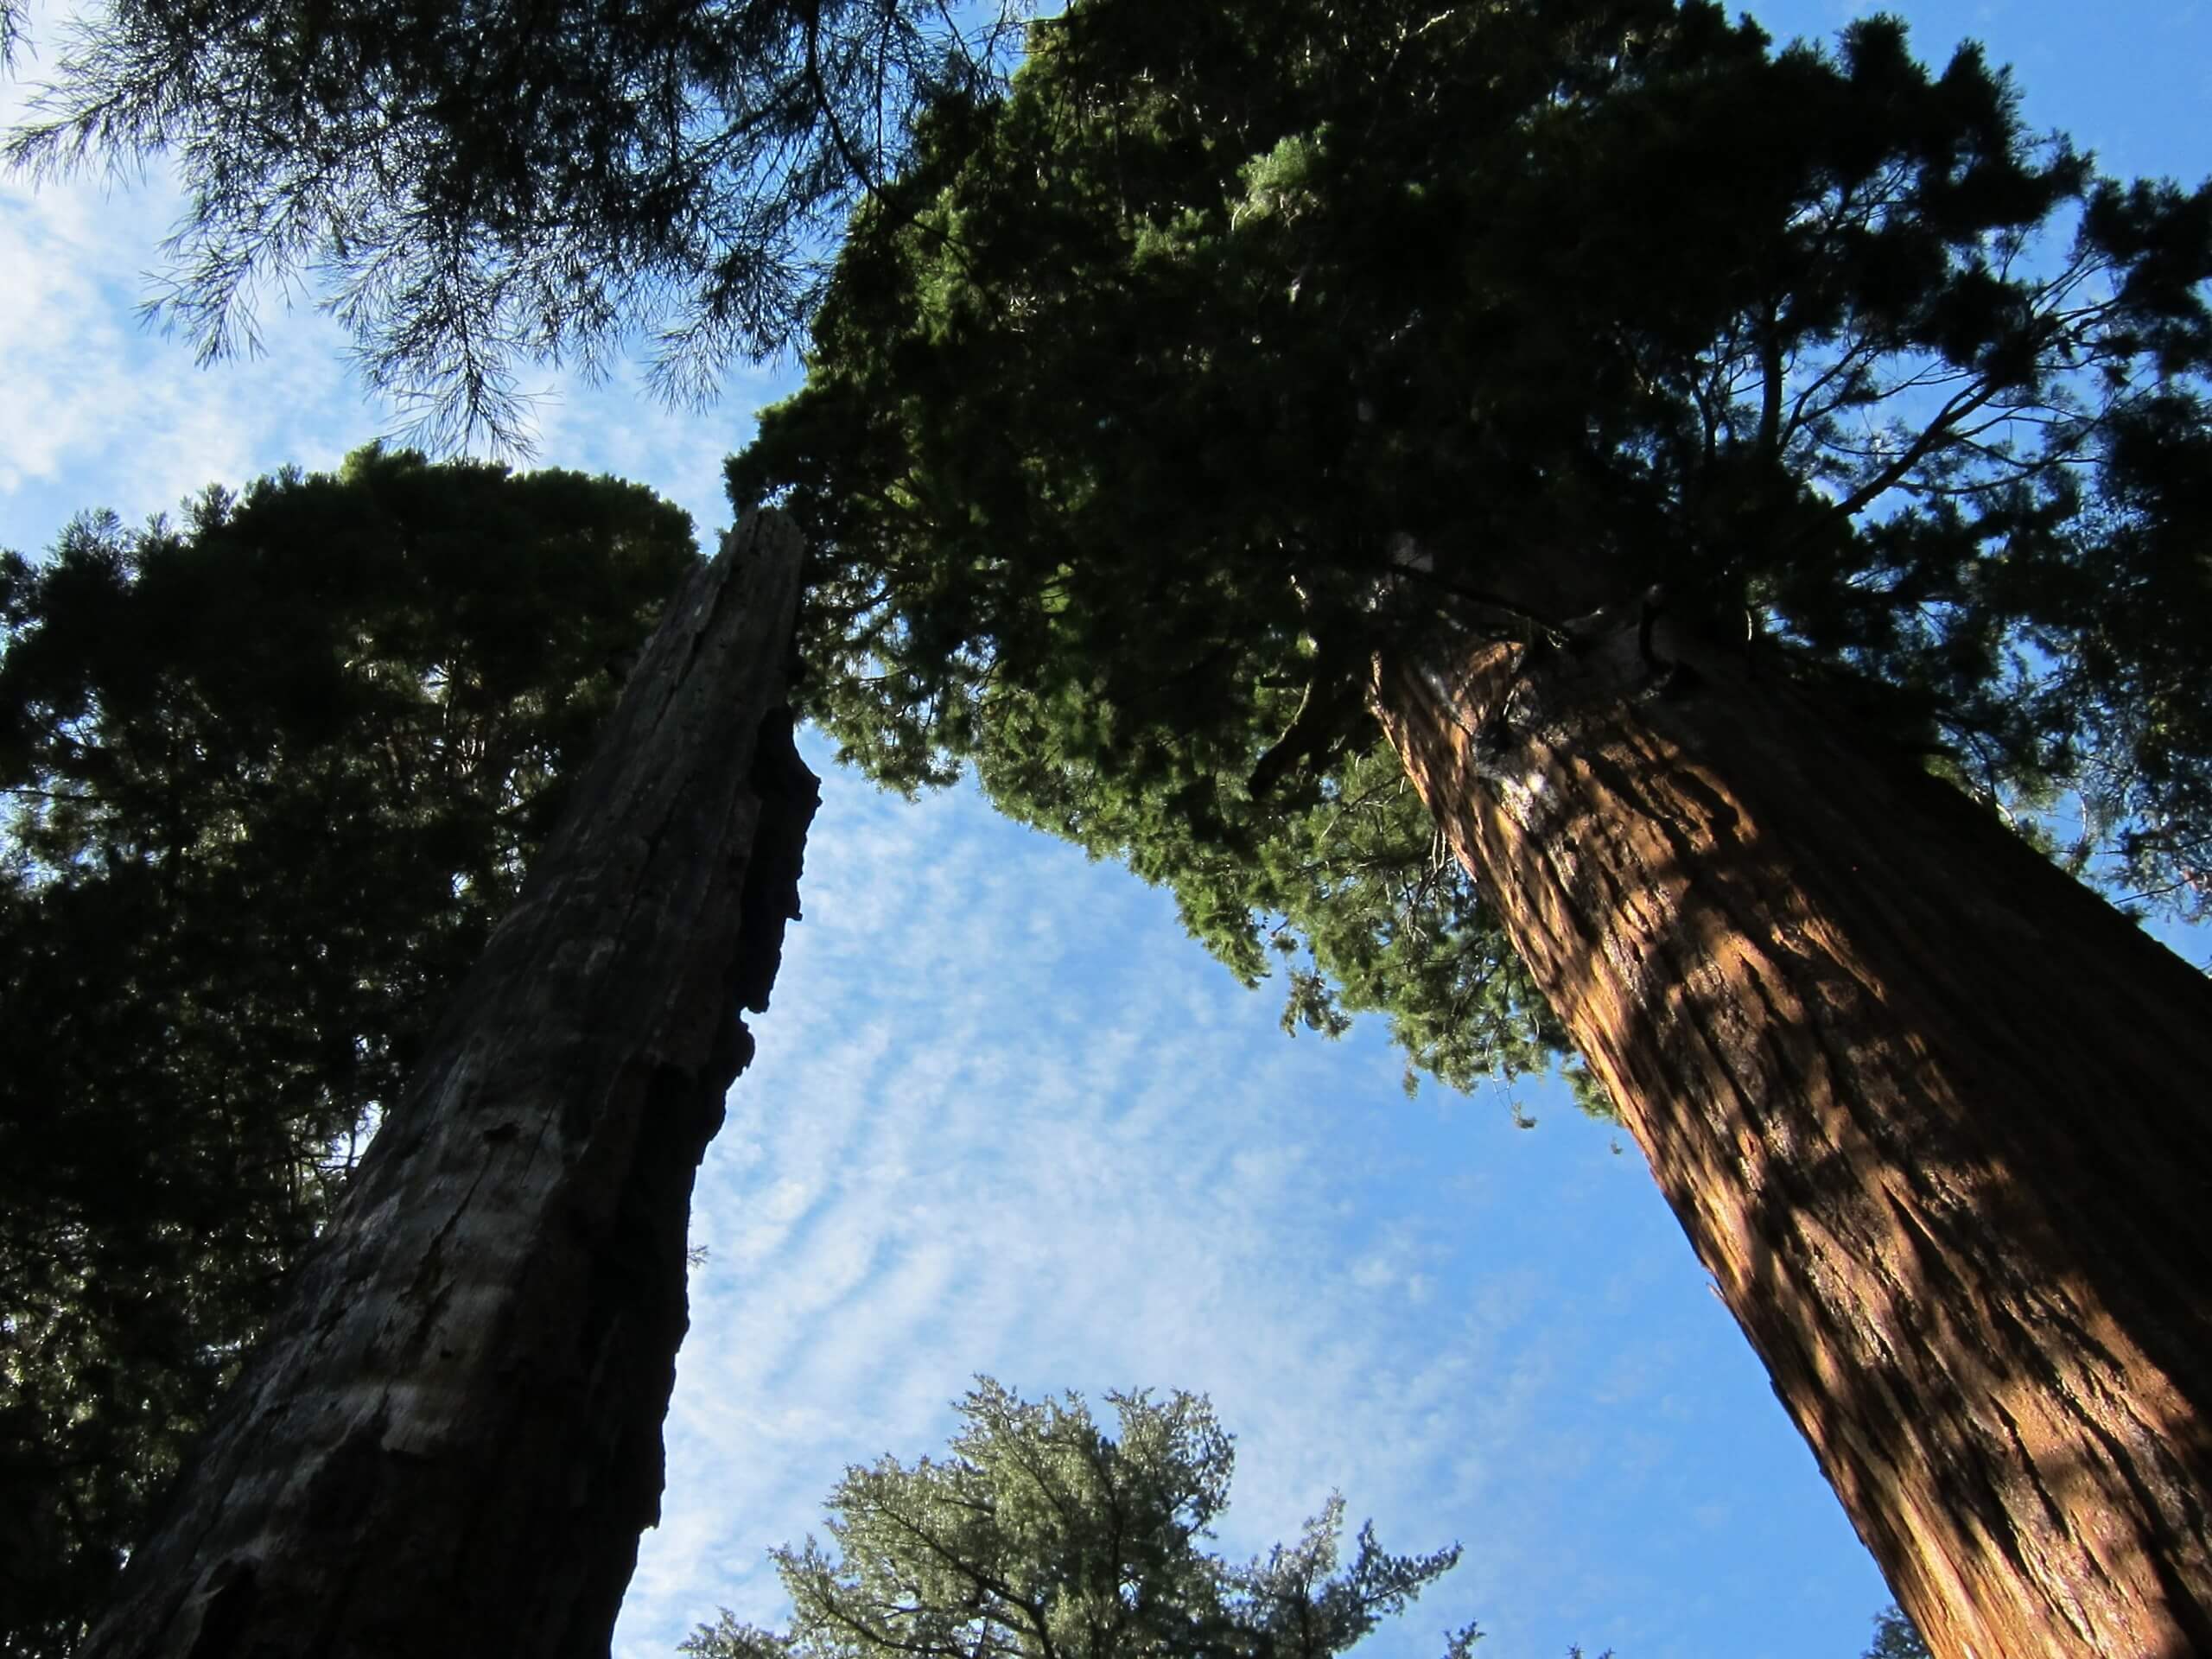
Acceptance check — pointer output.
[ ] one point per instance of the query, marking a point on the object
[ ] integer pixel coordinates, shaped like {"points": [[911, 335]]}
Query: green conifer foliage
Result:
{"points": [[1040, 1536], [473, 184], [271, 774], [1227, 348], [1895, 1638]]}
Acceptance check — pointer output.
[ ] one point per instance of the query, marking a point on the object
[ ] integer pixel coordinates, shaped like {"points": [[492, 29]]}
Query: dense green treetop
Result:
{"points": [[1042, 1536], [1895, 1638], [1232, 345], [270, 774]]}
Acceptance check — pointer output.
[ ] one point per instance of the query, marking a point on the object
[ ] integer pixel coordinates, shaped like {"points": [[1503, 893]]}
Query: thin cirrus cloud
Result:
{"points": [[108, 410], [107, 398], [1006, 1118]]}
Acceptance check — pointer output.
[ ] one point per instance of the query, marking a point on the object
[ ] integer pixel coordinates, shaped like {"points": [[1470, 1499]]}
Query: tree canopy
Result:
{"points": [[1227, 348], [271, 775], [1895, 1638], [1042, 1536], [473, 184]]}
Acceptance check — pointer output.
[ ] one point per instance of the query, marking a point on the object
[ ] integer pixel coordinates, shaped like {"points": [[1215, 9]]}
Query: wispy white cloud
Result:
{"points": [[95, 395], [937, 1168], [103, 401]]}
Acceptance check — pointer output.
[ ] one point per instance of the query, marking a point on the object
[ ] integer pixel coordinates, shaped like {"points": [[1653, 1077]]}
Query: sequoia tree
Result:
{"points": [[272, 773], [1042, 1536], [1717, 478]]}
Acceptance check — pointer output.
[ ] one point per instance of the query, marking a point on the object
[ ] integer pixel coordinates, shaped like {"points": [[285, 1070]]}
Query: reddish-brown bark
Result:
{"points": [[1937, 1119], [450, 1440]]}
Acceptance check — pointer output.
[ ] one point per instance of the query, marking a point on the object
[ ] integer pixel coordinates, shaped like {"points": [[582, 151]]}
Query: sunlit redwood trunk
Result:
{"points": [[450, 1440], [1938, 1120]]}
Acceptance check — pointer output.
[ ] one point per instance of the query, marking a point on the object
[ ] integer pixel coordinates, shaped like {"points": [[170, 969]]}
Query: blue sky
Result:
{"points": [[1005, 1118]]}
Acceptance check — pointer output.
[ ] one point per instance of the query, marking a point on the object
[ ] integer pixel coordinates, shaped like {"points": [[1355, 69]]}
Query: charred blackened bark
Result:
{"points": [[451, 1440], [1938, 1120]]}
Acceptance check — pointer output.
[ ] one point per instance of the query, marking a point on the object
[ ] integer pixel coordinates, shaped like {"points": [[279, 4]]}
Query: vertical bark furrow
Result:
{"points": [[1973, 1257], [449, 1439]]}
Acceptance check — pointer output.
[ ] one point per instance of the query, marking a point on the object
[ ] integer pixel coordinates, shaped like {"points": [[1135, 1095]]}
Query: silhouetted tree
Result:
{"points": [[273, 778], [272, 773]]}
